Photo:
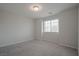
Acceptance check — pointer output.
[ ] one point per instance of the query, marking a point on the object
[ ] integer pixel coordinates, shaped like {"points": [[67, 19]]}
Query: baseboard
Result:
{"points": [[15, 43], [65, 45]]}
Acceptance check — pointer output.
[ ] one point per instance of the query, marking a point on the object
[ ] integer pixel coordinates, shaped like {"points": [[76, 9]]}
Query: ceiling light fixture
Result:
{"points": [[35, 8]]}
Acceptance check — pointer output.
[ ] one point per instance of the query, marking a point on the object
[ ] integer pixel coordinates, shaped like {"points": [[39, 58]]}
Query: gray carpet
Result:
{"points": [[37, 48]]}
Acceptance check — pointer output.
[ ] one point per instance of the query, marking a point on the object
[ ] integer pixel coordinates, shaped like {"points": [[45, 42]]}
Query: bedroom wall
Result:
{"points": [[67, 34], [78, 30], [15, 28]]}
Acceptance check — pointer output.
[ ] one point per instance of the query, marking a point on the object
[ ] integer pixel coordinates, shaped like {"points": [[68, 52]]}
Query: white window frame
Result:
{"points": [[43, 29]]}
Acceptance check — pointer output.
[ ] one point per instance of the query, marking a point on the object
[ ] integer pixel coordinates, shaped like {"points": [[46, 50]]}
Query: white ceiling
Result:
{"points": [[24, 8]]}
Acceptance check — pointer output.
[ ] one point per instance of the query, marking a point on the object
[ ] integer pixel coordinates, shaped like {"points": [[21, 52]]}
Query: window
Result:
{"points": [[50, 26], [47, 26]]}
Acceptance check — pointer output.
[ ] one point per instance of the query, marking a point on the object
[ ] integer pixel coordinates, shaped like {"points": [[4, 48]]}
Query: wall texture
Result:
{"points": [[78, 30], [67, 34], [14, 28]]}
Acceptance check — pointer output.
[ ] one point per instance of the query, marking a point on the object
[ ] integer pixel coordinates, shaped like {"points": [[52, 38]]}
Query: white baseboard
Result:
{"points": [[9, 44], [62, 44]]}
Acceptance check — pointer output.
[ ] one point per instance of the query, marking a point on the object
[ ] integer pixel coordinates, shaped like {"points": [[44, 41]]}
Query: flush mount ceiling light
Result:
{"points": [[36, 8]]}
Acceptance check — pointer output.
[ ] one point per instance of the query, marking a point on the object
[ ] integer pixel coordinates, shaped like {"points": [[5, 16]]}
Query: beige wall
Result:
{"points": [[14, 28], [78, 30]]}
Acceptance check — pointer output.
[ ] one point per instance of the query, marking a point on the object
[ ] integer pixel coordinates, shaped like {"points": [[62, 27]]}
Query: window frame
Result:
{"points": [[43, 24]]}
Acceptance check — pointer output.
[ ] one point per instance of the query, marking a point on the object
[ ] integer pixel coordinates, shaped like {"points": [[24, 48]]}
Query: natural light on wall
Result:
{"points": [[50, 25]]}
